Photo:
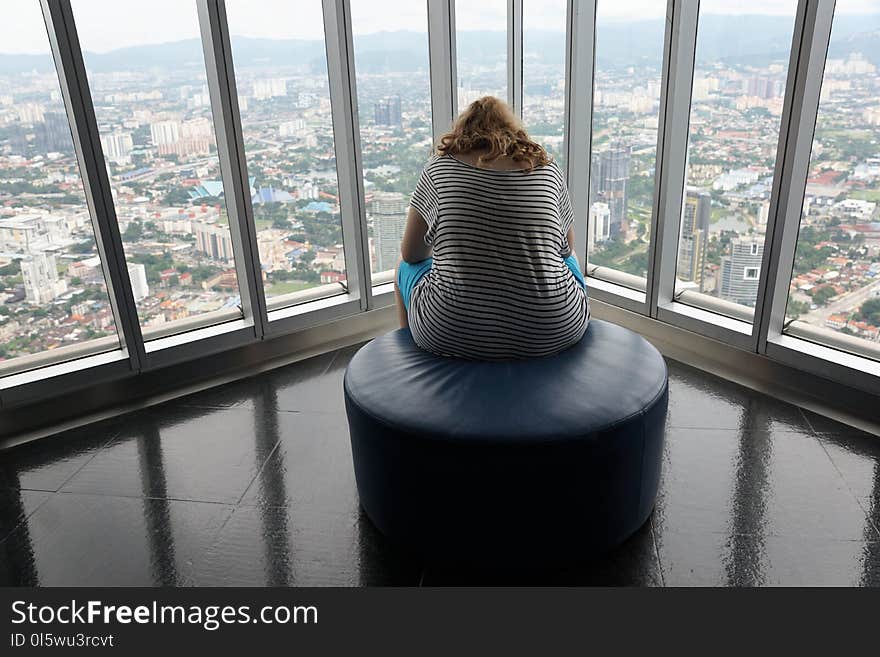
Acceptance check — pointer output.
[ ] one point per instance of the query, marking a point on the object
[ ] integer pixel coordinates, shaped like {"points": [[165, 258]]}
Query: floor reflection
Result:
{"points": [[271, 480], [743, 562], [254, 486], [157, 519]]}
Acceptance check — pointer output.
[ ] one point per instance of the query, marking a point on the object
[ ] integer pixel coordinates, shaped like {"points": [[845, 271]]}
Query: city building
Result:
{"points": [[741, 271], [137, 274], [52, 134], [695, 218], [39, 273], [117, 147], [599, 229], [213, 240], [269, 88], [388, 213], [388, 111], [22, 233], [609, 173], [164, 133]]}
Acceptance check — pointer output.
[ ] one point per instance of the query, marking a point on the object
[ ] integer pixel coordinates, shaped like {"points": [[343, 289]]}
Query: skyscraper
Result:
{"points": [[53, 134], [213, 240], [137, 274], [39, 274], [694, 234], [600, 225], [609, 173], [388, 112], [165, 135], [741, 271], [117, 147], [388, 211]]}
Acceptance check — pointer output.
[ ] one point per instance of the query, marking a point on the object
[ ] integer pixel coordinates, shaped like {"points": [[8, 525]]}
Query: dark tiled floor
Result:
{"points": [[251, 484]]}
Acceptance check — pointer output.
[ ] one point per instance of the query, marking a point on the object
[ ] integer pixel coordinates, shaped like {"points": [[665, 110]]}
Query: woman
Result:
{"points": [[494, 212]]}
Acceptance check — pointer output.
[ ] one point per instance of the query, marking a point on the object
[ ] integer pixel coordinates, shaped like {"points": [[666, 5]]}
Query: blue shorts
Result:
{"points": [[410, 274]]}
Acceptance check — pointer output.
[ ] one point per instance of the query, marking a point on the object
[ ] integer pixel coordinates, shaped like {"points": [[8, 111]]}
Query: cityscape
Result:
{"points": [[157, 135], [734, 127]]}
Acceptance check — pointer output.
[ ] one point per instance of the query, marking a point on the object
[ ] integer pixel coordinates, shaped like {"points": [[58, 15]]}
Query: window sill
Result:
{"points": [[287, 301], [153, 334], [826, 362], [839, 343], [59, 356], [314, 312]]}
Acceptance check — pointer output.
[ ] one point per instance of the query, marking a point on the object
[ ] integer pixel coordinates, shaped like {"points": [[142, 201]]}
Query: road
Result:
{"points": [[842, 305]]}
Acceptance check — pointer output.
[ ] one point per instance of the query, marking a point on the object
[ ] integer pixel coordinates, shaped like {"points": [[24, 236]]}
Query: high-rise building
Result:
{"points": [[762, 87], [39, 273], [609, 173], [164, 133], [117, 147], [137, 274], [388, 111], [741, 270], [269, 88], [53, 133], [214, 241], [388, 211], [600, 225], [166, 136], [694, 235], [196, 137]]}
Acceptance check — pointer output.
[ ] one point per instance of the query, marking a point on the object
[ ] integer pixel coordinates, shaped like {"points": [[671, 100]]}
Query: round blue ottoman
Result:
{"points": [[523, 463]]}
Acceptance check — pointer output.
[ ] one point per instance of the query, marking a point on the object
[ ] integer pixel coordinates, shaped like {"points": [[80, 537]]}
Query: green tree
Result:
{"points": [[822, 295], [870, 311]]}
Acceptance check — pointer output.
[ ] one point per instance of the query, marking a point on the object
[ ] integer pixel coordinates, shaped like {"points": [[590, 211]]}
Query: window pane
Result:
{"points": [[149, 87], [53, 299], [284, 98], [544, 74], [394, 110], [739, 84], [481, 50], [626, 113], [836, 279]]}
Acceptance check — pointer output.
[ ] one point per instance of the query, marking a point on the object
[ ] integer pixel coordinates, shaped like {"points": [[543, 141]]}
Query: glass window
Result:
{"points": [[736, 107], [53, 298], [481, 50], [835, 283], [284, 99], [148, 83], [544, 74], [626, 114], [394, 111]]}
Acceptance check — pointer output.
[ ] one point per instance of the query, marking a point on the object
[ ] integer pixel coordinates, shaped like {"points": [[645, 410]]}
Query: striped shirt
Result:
{"points": [[498, 288]]}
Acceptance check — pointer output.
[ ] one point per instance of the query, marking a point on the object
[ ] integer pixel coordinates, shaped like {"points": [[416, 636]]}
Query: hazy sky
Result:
{"points": [[108, 24]]}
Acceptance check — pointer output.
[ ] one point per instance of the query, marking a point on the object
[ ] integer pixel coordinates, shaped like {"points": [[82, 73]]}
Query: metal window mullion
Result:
{"points": [[217, 49], [654, 250], [347, 142], [441, 56], [70, 66], [515, 55], [682, 16], [766, 278], [815, 21], [580, 37]]}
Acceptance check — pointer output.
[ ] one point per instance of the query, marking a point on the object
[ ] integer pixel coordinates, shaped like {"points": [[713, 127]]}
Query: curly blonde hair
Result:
{"points": [[489, 123]]}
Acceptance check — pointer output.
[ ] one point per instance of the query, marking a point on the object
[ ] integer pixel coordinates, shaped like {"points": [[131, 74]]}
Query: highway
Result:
{"points": [[844, 304]]}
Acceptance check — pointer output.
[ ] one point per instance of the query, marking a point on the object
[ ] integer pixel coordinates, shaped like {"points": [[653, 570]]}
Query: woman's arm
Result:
{"points": [[412, 246], [570, 237]]}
